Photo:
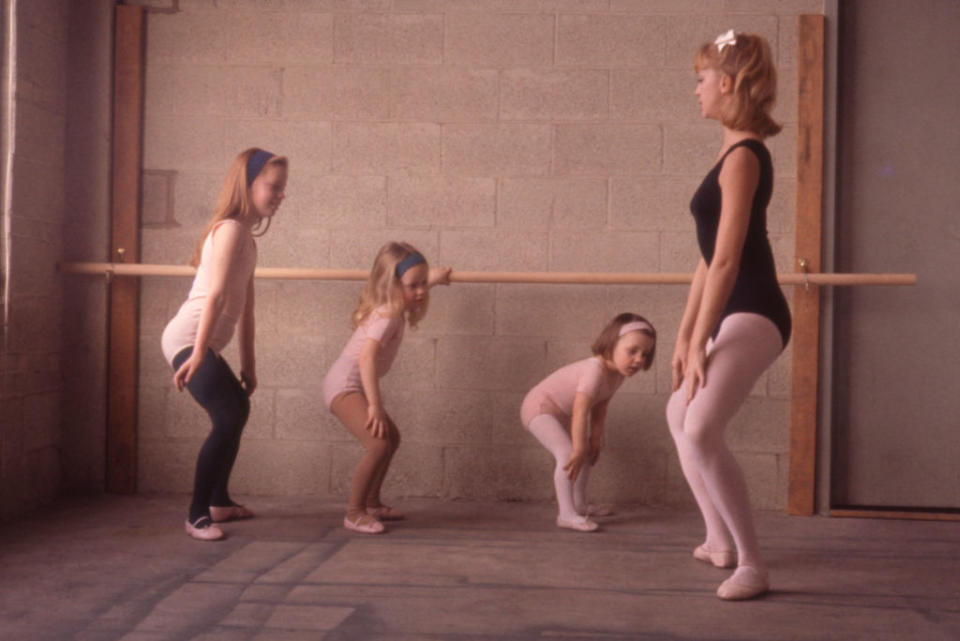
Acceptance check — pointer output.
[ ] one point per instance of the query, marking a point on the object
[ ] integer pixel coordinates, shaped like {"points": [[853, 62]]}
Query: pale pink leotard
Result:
{"points": [[555, 394], [344, 374]]}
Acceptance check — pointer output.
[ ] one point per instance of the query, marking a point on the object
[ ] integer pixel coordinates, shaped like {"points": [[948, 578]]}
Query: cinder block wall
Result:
{"points": [[522, 135]]}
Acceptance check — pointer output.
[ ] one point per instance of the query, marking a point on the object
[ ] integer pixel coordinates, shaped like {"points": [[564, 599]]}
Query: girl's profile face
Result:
{"points": [[413, 283], [632, 353], [709, 92], [266, 192]]}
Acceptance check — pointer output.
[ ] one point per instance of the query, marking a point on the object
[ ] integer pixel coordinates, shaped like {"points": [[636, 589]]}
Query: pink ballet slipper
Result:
{"points": [[203, 530], [580, 524], [220, 514], [747, 582], [719, 558], [365, 524], [386, 513]]}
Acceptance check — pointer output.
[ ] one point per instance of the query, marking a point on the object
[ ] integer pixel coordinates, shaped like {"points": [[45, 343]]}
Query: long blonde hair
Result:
{"points": [[383, 288], [234, 201], [749, 63]]}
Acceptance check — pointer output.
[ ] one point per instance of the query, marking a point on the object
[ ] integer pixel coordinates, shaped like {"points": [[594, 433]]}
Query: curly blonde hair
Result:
{"points": [[383, 288]]}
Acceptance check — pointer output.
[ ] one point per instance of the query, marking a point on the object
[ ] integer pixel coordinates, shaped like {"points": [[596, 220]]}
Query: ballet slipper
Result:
{"points": [[747, 582], [220, 514], [386, 513], [599, 510], [364, 524], [719, 558], [203, 529], [580, 524]]}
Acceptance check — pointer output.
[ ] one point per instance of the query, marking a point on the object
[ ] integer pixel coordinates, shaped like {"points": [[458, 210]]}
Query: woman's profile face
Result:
{"points": [[709, 93]]}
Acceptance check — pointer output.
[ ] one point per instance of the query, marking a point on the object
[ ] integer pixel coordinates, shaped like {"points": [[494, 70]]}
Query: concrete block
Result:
{"points": [[386, 148], [303, 308], [489, 363], [501, 473], [506, 428], [788, 35], [684, 7], [783, 148], [500, 6], [679, 252], [441, 201], [324, 92], [464, 308], [306, 144], [42, 72], [786, 108], [183, 89], [166, 465], [151, 411], [778, 7], [609, 40], [40, 135], [685, 33], [357, 249], [32, 198], [637, 421], [501, 250], [766, 476], [780, 375], [194, 197], [544, 94], [263, 415], [289, 245], [282, 37], [298, 468], [290, 360], [491, 150], [784, 250], [188, 38], [782, 210], [760, 425], [343, 202], [413, 368], [252, 91], [460, 417], [541, 203], [659, 203], [444, 94], [189, 143], [607, 150], [157, 198], [499, 40], [552, 310], [628, 476], [362, 38], [653, 94], [690, 149], [604, 251]]}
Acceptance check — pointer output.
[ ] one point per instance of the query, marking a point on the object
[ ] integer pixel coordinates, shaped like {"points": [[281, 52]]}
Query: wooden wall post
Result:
{"points": [[806, 300], [121, 457]]}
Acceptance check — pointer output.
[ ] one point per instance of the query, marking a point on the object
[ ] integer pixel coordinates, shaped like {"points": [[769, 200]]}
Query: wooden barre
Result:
{"points": [[568, 278]]}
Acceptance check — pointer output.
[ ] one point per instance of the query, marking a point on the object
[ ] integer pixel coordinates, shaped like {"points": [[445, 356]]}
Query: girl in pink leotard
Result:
{"points": [[396, 292], [561, 409]]}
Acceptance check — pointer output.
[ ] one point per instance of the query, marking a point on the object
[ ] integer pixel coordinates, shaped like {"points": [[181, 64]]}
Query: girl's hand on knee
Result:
{"points": [[573, 466], [183, 375], [248, 380], [695, 372], [677, 366], [376, 421]]}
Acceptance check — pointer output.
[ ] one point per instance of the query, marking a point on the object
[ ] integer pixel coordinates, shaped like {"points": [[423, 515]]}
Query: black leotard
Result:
{"points": [[756, 289]]}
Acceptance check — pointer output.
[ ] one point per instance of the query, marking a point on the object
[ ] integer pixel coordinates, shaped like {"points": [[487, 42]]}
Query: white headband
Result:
{"points": [[634, 326]]}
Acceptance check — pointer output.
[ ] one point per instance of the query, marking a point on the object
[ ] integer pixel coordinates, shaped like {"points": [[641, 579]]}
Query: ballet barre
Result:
{"points": [[111, 270]]}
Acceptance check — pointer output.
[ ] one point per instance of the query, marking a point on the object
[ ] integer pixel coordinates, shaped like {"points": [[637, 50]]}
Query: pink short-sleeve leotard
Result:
{"points": [[181, 331], [344, 374], [555, 394]]}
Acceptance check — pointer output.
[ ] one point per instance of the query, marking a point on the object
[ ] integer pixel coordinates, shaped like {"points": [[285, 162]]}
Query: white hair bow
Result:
{"points": [[724, 39]]}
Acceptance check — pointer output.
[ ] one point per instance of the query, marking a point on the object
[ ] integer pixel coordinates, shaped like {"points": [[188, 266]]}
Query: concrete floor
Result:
{"points": [[111, 568]]}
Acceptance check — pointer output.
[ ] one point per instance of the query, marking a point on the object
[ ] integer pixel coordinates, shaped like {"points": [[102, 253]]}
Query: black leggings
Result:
{"points": [[216, 388]]}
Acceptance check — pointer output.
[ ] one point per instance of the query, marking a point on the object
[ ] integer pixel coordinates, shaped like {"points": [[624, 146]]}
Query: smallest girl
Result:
{"points": [[560, 409], [396, 292]]}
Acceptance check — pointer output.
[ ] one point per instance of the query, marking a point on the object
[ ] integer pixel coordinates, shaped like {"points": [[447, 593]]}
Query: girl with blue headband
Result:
{"points": [[220, 301], [396, 292]]}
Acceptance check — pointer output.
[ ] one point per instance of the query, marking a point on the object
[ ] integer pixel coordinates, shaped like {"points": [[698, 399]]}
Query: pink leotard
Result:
{"points": [[344, 374], [181, 331], [555, 394]]}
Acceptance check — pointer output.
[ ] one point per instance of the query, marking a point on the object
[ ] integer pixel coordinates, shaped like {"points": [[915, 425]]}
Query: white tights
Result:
{"points": [[746, 345], [571, 497]]}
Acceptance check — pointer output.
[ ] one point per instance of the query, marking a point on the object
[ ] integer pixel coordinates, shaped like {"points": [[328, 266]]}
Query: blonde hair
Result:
{"points": [[383, 288], [608, 338], [749, 64], [234, 201]]}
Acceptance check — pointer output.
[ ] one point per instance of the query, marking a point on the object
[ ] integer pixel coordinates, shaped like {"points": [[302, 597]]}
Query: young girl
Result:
{"points": [[396, 292], [736, 320], [221, 298], [559, 409]]}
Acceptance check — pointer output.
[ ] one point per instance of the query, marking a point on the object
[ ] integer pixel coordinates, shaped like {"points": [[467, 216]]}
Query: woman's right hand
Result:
{"points": [[679, 363], [376, 421], [189, 367]]}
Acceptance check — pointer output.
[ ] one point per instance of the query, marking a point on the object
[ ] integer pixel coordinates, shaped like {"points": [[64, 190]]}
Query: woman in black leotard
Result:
{"points": [[736, 320]]}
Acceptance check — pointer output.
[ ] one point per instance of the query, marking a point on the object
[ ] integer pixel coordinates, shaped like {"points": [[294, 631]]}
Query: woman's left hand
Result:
{"points": [[695, 373], [248, 380]]}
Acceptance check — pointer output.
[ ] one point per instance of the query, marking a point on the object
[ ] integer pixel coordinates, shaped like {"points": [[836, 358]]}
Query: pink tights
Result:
{"points": [[571, 496], [746, 345]]}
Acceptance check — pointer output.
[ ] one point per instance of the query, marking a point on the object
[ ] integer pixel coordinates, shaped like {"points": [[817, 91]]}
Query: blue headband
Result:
{"points": [[256, 163], [413, 259]]}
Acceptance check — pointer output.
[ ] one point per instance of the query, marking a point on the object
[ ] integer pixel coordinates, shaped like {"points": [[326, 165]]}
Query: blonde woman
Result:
{"points": [[736, 320], [220, 300], [396, 292]]}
